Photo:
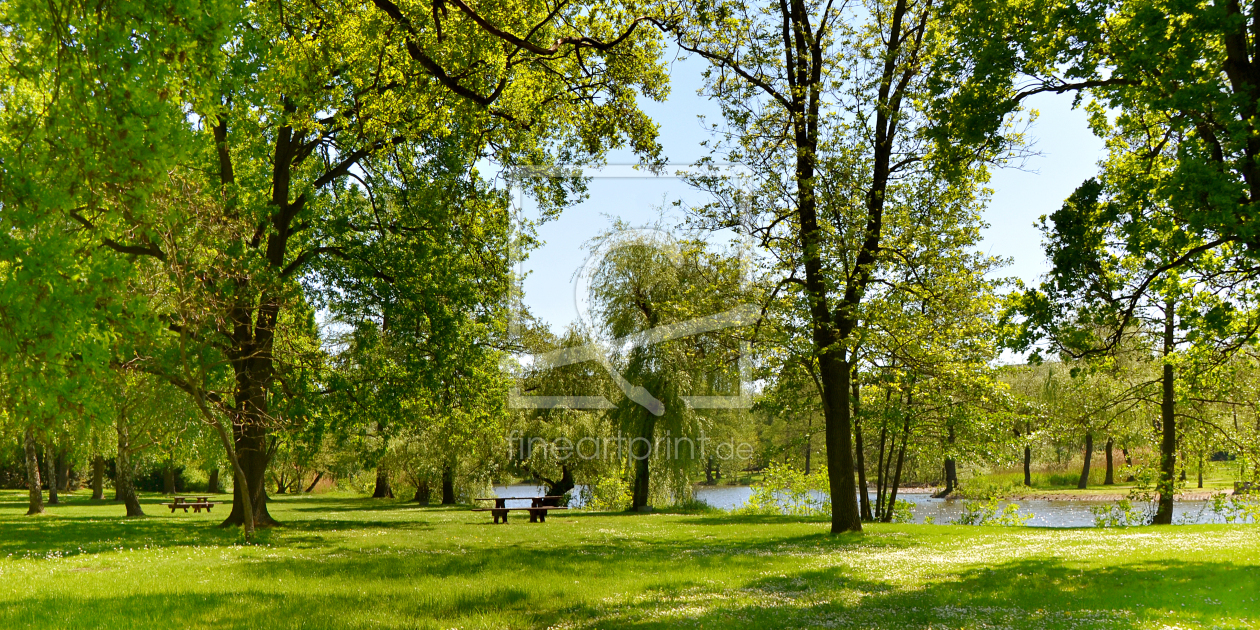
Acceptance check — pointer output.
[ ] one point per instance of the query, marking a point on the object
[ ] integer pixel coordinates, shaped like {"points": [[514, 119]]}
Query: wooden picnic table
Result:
{"points": [[183, 502], [537, 511]]}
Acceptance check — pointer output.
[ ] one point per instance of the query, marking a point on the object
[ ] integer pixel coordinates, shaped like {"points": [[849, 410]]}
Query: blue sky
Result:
{"points": [[1068, 155]]}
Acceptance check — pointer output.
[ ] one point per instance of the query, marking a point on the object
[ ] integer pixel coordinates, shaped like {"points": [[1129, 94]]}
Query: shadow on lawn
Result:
{"points": [[511, 586], [81, 525], [1019, 594]]}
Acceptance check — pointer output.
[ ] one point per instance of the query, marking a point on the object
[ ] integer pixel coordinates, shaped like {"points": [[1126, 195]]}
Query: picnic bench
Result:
{"points": [[537, 508], [183, 502]]}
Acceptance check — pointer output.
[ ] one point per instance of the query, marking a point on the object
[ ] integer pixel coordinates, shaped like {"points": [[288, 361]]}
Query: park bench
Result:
{"points": [[1245, 487], [183, 502], [537, 510]]}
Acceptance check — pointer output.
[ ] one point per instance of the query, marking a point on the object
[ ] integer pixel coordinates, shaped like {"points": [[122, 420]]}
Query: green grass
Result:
{"points": [[348, 562]]}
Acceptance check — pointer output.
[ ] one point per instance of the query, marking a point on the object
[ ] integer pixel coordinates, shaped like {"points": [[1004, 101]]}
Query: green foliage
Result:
{"points": [[1235, 508], [989, 489], [786, 490], [987, 512], [1121, 514]]}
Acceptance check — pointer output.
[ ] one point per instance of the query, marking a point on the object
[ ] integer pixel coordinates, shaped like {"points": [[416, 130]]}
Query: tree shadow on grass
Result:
{"points": [[1021, 594], [318, 608]]}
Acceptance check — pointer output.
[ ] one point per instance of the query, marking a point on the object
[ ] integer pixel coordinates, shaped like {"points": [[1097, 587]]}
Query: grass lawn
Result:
{"points": [[348, 562]]}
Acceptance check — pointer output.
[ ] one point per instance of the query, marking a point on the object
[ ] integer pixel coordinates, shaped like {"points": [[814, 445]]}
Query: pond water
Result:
{"points": [[1045, 513]]}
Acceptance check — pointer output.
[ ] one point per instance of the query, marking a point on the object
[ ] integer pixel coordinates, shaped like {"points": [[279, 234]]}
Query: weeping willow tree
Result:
{"points": [[662, 309]]}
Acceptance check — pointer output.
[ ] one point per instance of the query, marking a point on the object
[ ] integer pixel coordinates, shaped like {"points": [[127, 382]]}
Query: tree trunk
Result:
{"points": [[1089, 457], [901, 457], [33, 482], [1168, 445], [708, 470], [1182, 474], [61, 468], [642, 468], [98, 478], [951, 467], [448, 486], [53, 498], [314, 482], [382, 490], [212, 486], [881, 476], [809, 447], [168, 477], [1027, 466], [250, 443], [864, 494], [845, 516], [560, 488], [422, 492], [124, 470], [1128, 462], [1110, 479]]}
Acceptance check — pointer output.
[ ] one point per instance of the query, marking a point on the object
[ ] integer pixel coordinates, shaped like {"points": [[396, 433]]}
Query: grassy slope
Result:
{"points": [[344, 562]]}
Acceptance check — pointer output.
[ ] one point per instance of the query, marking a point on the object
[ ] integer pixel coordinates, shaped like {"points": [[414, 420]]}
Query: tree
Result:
{"points": [[646, 294], [268, 110], [821, 109], [1125, 271]]}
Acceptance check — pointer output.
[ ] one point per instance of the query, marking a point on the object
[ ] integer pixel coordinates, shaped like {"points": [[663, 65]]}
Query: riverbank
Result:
{"points": [[351, 562]]}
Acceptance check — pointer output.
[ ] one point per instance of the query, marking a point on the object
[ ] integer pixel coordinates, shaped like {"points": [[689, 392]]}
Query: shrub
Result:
{"points": [[786, 490], [1122, 514], [988, 513]]}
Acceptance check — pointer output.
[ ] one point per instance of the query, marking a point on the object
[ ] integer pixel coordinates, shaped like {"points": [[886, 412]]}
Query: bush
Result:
{"points": [[786, 490], [1122, 514], [1234, 508], [987, 513]]}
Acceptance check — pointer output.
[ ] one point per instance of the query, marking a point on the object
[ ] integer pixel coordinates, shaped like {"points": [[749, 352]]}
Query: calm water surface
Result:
{"points": [[1045, 513]]}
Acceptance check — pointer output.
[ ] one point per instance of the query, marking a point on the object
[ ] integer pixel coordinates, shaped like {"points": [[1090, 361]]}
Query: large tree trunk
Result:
{"points": [[98, 478], [33, 482], [382, 490], [1089, 457], [864, 494], [212, 486], [448, 486], [1168, 424], [845, 516], [250, 443], [1110, 479]]}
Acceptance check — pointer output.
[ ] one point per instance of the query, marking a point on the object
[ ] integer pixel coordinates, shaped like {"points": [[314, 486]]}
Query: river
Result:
{"points": [[1045, 513]]}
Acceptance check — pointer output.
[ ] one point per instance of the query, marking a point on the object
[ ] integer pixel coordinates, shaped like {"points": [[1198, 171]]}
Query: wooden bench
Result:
{"points": [[183, 502], [1245, 487], [537, 511]]}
